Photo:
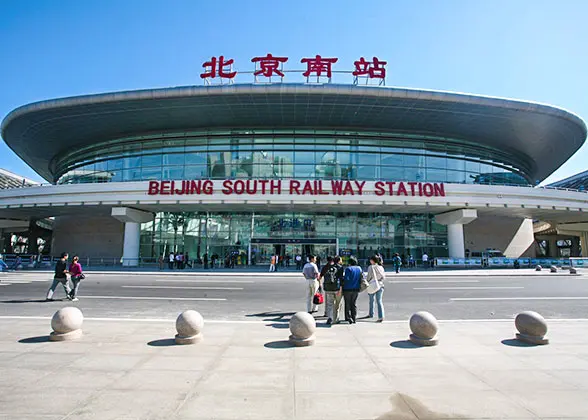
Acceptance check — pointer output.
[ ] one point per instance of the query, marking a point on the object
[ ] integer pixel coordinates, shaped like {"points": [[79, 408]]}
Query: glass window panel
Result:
{"points": [[151, 160], [173, 172], [414, 174], [173, 159], [151, 173], [392, 173], [195, 172], [132, 162], [436, 162], [457, 177], [366, 172], [436, 175], [472, 166], [303, 157], [305, 171], [195, 158]]}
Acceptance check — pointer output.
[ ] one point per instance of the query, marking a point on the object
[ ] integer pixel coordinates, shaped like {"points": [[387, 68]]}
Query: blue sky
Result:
{"points": [[525, 49]]}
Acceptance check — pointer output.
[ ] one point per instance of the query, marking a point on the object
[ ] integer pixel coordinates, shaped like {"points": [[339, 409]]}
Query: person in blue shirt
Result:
{"points": [[350, 289], [3, 266]]}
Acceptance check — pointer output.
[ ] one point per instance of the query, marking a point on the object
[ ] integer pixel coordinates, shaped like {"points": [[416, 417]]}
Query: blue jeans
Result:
{"points": [[378, 296]]}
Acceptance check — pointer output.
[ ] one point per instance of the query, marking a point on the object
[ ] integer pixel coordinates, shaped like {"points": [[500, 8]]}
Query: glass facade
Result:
{"points": [[224, 234], [291, 154]]}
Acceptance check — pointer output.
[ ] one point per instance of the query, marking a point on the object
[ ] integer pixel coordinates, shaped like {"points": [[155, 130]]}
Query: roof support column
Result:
{"points": [[454, 221], [132, 219]]}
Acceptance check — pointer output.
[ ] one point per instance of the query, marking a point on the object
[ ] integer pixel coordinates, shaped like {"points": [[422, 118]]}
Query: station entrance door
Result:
{"points": [[261, 249]]}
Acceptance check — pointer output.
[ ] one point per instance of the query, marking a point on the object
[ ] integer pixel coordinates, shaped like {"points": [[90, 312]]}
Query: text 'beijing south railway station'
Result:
{"points": [[268, 166]]}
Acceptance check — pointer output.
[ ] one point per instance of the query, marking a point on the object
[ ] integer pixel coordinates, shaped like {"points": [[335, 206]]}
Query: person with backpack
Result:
{"points": [[60, 277], [350, 288], [311, 274], [75, 270], [375, 278], [322, 275], [332, 274], [396, 262]]}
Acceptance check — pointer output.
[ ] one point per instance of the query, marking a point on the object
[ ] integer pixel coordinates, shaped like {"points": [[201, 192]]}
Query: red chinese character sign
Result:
{"points": [[218, 68], [374, 69], [269, 66], [318, 66]]}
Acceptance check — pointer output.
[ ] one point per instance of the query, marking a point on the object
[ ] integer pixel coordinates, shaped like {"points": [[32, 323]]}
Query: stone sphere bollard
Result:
{"points": [[553, 269], [67, 324], [538, 268], [189, 326], [424, 328], [302, 327], [573, 270], [532, 328]]}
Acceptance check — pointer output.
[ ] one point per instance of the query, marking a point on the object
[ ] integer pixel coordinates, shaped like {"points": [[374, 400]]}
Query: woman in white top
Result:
{"points": [[375, 278]]}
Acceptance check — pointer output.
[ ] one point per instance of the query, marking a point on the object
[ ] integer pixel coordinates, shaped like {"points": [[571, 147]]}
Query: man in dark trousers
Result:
{"points": [[60, 277], [350, 289]]}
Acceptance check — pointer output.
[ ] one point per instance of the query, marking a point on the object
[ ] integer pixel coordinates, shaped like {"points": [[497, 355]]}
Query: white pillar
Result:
{"points": [[132, 218], [454, 220], [455, 242], [131, 244]]}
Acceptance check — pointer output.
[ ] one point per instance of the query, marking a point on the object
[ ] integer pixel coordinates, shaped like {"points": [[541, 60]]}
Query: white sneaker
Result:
{"points": [[74, 299]]}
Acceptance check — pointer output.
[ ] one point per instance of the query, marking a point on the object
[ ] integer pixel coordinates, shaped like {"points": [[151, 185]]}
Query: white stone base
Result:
{"points": [[188, 340], [423, 341], [532, 340], [302, 342], [72, 335]]}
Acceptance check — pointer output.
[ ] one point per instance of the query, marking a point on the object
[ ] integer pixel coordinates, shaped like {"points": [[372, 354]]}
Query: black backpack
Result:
{"points": [[331, 282]]}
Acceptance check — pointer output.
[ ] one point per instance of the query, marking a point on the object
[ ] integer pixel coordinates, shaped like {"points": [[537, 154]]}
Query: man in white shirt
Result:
{"points": [[425, 260], [311, 273]]}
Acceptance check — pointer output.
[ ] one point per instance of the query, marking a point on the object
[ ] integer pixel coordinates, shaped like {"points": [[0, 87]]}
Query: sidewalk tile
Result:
{"points": [[56, 401], [553, 403], [164, 362], [360, 380], [352, 406], [155, 380], [105, 362], [242, 405]]}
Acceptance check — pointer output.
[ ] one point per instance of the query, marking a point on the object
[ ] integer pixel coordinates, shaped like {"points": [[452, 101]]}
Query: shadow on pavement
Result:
{"points": [[283, 344], [34, 340], [165, 342], [283, 326], [513, 342], [31, 301], [404, 344]]}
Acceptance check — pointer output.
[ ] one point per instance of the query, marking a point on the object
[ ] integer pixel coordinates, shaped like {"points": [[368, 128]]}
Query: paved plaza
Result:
{"points": [[131, 370]]}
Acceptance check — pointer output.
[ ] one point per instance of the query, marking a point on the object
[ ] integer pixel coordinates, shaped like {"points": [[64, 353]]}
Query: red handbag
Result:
{"points": [[318, 298]]}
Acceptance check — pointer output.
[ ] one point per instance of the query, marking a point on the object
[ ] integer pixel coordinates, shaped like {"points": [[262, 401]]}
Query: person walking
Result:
{"points": [[205, 261], [171, 260], [75, 271], [160, 261], [60, 277], [411, 262], [272, 266], [311, 274], [396, 262], [350, 289], [332, 277], [425, 259], [375, 278], [298, 259]]}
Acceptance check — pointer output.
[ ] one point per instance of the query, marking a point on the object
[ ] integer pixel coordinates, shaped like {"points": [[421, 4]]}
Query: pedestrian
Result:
{"points": [[276, 262], [311, 274], [298, 259], [396, 262], [75, 271], [60, 277], [160, 261], [171, 260], [3, 266], [322, 275], [411, 262], [375, 279], [381, 258], [205, 260], [272, 266], [350, 289], [425, 259], [187, 260], [332, 285]]}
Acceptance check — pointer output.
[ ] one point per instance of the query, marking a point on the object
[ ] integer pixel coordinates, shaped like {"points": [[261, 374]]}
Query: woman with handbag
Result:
{"points": [[75, 270], [375, 278]]}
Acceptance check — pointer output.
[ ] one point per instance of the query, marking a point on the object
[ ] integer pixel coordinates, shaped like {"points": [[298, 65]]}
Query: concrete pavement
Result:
{"points": [[126, 369]]}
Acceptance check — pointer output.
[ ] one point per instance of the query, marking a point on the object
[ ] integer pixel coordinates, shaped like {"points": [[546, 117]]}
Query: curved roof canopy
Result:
{"points": [[542, 135]]}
